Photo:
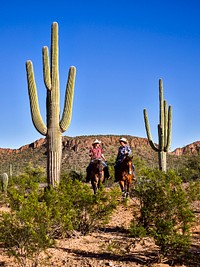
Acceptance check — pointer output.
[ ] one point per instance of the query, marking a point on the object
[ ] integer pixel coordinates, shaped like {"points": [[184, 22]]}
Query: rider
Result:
{"points": [[96, 152], [123, 150]]}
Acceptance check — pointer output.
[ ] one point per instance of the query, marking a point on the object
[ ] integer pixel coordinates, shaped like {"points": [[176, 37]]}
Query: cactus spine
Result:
{"points": [[164, 130], [54, 126]]}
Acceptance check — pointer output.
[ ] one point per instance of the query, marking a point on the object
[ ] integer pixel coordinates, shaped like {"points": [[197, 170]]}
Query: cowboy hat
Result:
{"points": [[96, 142], [123, 140]]}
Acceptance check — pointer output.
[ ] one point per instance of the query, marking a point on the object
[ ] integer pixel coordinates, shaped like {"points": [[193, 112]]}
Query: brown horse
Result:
{"points": [[97, 174], [125, 175]]}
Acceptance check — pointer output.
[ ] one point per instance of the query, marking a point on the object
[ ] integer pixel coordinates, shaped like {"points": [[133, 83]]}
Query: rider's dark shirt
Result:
{"points": [[122, 151]]}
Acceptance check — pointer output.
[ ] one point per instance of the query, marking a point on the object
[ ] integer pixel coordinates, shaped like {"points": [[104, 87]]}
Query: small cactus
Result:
{"points": [[4, 182]]}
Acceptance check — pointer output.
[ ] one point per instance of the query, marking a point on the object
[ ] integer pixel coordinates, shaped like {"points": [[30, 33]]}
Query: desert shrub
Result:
{"points": [[93, 211], [190, 171], [140, 165], [164, 212], [26, 229], [75, 207], [30, 175], [74, 175], [38, 217], [193, 191], [111, 163]]}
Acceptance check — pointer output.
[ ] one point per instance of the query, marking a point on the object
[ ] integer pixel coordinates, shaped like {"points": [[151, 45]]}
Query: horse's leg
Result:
{"points": [[95, 183], [99, 181], [127, 187], [122, 186], [93, 186]]}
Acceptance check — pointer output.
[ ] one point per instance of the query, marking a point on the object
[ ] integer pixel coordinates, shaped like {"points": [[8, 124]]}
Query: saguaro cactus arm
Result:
{"points": [[46, 67], [54, 55], [69, 95], [33, 98], [147, 126], [169, 130]]}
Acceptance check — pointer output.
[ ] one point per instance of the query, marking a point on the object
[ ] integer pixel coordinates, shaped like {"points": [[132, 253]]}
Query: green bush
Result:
{"points": [[38, 217], [26, 229], [193, 191], [31, 175], [190, 171], [74, 175], [75, 207], [163, 213]]}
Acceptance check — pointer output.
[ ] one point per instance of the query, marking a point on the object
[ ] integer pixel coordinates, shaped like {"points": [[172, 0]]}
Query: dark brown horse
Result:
{"points": [[97, 174], [125, 175]]}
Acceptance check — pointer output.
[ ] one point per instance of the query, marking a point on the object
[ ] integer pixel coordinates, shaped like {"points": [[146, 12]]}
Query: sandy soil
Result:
{"points": [[110, 246]]}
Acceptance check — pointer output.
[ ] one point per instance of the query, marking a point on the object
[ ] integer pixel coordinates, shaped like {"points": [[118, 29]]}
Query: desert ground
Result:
{"points": [[110, 246]]}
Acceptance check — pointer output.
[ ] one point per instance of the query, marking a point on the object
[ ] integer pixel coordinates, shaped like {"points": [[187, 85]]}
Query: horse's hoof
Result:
{"points": [[124, 194], [127, 195]]}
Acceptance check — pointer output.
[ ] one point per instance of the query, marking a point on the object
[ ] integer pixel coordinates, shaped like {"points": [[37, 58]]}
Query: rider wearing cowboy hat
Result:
{"points": [[123, 150], [96, 152]]}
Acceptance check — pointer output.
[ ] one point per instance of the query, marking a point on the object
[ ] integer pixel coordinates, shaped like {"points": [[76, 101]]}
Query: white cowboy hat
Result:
{"points": [[123, 140], [96, 142]]}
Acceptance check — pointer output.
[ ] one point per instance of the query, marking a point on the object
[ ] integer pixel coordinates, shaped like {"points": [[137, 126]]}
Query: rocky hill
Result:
{"points": [[75, 152], [191, 149]]}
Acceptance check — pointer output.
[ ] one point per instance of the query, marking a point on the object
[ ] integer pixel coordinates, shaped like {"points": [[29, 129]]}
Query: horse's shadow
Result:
{"points": [[139, 257]]}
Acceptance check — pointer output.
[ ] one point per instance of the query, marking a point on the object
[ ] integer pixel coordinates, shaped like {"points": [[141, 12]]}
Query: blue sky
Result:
{"points": [[120, 49]]}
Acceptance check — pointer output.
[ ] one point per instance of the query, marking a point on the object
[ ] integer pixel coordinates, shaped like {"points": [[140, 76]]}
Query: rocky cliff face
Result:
{"points": [[75, 152], [191, 149], [85, 142]]}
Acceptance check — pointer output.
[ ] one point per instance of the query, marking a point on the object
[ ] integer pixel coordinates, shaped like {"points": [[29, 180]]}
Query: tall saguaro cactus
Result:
{"points": [[54, 126], [164, 130]]}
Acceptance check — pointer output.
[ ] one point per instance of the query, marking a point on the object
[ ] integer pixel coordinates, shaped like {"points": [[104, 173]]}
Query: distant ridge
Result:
{"points": [[75, 152], [191, 149]]}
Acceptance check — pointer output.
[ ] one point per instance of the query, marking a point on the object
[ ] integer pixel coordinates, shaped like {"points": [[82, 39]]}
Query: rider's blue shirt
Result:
{"points": [[122, 151]]}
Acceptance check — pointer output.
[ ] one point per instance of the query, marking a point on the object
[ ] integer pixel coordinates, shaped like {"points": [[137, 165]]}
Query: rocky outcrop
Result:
{"points": [[75, 152], [191, 149], [84, 142]]}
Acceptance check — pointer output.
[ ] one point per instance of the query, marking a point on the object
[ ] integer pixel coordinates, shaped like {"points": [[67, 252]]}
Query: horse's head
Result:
{"points": [[126, 164], [126, 161]]}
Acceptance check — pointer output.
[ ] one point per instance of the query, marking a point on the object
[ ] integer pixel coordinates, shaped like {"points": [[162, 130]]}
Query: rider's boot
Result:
{"points": [[116, 177], [107, 175]]}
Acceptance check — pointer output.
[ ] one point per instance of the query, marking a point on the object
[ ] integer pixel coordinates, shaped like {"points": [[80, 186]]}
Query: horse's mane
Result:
{"points": [[127, 158]]}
